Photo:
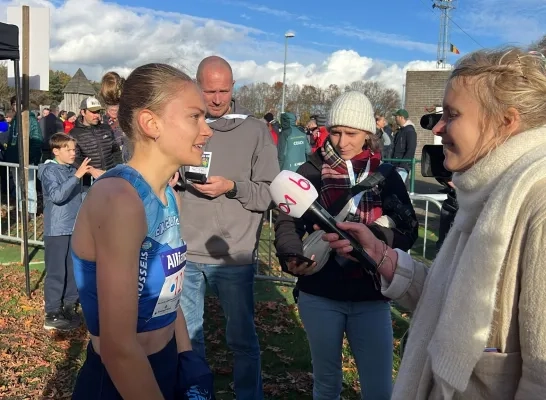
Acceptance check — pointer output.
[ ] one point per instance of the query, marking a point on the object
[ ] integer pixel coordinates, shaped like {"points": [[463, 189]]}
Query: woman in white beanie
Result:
{"points": [[479, 328], [337, 296]]}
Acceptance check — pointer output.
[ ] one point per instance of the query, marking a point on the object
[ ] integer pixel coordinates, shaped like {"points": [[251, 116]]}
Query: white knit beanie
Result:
{"points": [[353, 110]]}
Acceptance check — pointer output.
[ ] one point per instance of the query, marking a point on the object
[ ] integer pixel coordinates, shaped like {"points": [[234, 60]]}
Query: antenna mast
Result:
{"points": [[445, 7]]}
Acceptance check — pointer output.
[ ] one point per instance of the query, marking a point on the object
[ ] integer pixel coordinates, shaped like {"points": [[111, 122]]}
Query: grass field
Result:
{"points": [[38, 365]]}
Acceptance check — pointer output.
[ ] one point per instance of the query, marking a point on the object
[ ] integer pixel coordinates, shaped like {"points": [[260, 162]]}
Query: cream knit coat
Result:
{"points": [[486, 288]]}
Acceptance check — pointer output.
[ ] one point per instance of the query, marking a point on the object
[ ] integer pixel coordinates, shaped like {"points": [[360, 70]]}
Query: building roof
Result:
{"points": [[79, 84]]}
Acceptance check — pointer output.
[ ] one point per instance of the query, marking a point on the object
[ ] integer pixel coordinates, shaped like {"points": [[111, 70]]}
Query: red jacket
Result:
{"points": [[68, 126], [318, 141], [274, 136]]}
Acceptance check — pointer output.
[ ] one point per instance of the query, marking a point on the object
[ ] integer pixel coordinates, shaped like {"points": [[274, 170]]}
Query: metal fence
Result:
{"points": [[268, 267]]}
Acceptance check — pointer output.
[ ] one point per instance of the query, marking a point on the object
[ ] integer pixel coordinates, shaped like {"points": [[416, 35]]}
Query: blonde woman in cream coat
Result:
{"points": [[479, 328]]}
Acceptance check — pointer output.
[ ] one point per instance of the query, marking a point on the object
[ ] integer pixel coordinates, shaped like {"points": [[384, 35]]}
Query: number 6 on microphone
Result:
{"points": [[292, 193]]}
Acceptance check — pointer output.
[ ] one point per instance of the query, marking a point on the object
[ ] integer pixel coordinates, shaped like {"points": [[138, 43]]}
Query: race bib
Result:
{"points": [[173, 262], [205, 164]]}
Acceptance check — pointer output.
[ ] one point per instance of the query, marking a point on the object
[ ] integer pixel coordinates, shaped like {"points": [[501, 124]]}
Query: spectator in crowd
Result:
{"points": [[384, 133], [61, 189], [129, 226], [4, 131], [273, 126], [222, 220], [405, 143], [63, 115], [35, 154], [70, 122], [478, 327], [95, 140], [316, 129], [293, 145], [111, 89], [50, 124], [340, 298]]}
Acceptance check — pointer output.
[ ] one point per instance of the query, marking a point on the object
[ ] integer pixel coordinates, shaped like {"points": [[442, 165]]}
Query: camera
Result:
{"points": [[432, 156]]}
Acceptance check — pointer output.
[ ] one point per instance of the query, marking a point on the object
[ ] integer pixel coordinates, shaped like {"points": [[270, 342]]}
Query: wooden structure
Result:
{"points": [[75, 91]]}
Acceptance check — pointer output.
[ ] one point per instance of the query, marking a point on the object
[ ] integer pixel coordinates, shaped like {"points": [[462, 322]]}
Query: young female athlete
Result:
{"points": [[128, 253]]}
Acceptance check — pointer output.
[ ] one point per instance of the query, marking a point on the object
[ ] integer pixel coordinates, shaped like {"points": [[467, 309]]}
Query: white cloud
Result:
{"points": [[341, 68], [99, 36]]}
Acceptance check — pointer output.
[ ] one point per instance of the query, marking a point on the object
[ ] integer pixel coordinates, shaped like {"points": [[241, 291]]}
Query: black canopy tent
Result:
{"points": [[9, 50]]}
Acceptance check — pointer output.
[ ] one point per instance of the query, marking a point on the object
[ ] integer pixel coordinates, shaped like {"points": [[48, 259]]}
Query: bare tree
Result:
{"points": [[383, 100], [306, 100]]}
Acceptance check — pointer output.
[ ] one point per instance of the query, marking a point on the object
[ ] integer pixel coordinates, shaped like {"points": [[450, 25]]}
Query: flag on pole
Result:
{"points": [[454, 49]]}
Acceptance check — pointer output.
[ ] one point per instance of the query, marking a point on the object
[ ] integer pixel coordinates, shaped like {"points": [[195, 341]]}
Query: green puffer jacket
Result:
{"points": [[35, 142]]}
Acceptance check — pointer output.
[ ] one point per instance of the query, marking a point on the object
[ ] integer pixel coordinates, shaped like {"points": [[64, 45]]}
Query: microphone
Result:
{"points": [[294, 195]]}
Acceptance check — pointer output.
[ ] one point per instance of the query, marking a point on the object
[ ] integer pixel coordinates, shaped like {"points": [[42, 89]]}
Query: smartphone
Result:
{"points": [[285, 258], [195, 177]]}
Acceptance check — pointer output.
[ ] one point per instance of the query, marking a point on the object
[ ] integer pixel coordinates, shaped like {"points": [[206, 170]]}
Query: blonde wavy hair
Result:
{"points": [[111, 87], [501, 79]]}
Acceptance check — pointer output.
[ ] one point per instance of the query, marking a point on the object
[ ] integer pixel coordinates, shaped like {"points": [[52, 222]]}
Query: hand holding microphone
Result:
{"points": [[294, 195]]}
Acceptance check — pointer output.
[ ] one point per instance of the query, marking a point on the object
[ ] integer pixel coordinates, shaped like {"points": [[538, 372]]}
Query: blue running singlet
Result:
{"points": [[162, 260]]}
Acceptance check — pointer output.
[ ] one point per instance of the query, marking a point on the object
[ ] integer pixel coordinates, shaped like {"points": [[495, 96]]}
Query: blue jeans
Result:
{"points": [[369, 331], [234, 286]]}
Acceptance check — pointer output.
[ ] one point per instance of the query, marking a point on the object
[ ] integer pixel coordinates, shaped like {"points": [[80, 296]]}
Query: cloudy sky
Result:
{"points": [[336, 41]]}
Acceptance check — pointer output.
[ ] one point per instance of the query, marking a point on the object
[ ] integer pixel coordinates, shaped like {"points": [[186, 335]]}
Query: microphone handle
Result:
{"points": [[328, 224]]}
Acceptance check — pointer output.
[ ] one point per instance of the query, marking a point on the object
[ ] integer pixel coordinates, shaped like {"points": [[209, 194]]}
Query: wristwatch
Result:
{"points": [[230, 194]]}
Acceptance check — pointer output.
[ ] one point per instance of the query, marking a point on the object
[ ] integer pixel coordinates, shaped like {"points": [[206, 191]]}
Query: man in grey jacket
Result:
{"points": [[222, 221]]}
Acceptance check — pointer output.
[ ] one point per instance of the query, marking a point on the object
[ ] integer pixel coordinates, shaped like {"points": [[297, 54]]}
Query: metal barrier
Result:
{"points": [[268, 267], [10, 205]]}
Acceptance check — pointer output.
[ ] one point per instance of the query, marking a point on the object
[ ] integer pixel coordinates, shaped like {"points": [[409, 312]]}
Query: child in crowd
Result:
{"points": [[62, 200]]}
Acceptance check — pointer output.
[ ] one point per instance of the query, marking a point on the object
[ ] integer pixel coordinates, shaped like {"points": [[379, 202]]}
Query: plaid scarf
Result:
{"points": [[336, 182]]}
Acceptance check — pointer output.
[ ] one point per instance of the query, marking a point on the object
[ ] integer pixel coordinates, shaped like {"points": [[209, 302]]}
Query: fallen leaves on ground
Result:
{"points": [[34, 364]]}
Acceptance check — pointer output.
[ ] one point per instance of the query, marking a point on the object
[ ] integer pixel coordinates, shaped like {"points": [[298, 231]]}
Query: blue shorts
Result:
{"points": [[94, 383]]}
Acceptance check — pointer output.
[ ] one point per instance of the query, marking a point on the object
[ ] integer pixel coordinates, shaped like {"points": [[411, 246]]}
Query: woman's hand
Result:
{"points": [[297, 267], [385, 257], [373, 246]]}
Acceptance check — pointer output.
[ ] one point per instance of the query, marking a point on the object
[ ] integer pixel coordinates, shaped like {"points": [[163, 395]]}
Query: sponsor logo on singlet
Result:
{"points": [[171, 222]]}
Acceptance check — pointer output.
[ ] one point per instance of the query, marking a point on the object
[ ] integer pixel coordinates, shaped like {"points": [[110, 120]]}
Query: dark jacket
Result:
{"points": [[62, 197], [35, 142], [293, 146], [450, 206], [98, 143], [50, 125], [348, 283], [405, 143]]}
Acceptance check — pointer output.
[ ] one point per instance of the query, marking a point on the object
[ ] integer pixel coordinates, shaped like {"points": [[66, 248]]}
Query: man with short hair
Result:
{"points": [[273, 126], [405, 143], [222, 221], [50, 124], [95, 140]]}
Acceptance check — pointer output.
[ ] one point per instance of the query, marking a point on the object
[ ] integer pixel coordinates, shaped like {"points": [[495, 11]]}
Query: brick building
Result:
{"points": [[424, 89]]}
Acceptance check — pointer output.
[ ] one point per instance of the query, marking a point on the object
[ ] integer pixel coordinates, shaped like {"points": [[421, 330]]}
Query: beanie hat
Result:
{"points": [[353, 110], [321, 120]]}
